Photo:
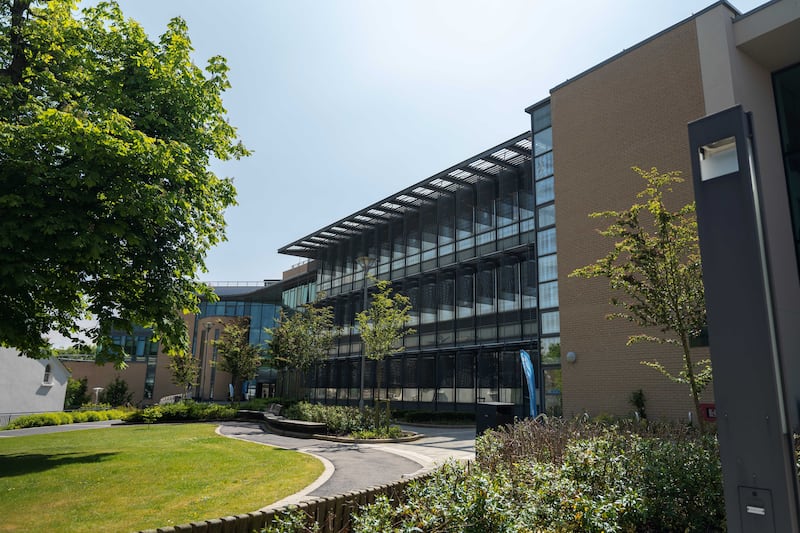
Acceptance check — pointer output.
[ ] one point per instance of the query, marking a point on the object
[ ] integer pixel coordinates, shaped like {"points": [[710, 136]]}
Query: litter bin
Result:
{"points": [[491, 415]]}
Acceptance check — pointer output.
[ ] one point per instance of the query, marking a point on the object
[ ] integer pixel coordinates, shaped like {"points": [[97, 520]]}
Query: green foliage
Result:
{"points": [[116, 393], [302, 338], [293, 520], [183, 411], [61, 418], [151, 415], [344, 420], [236, 355], [654, 270], [567, 476], [109, 206], [76, 393], [185, 370], [383, 323], [382, 432]]}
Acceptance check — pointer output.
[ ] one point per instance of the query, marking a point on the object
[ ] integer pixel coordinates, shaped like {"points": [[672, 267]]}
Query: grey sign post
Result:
{"points": [[755, 416]]}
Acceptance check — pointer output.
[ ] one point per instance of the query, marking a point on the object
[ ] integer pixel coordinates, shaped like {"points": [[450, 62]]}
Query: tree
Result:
{"points": [[654, 270], [77, 394], [185, 370], [383, 324], [116, 393], [236, 355], [109, 206], [302, 338]]}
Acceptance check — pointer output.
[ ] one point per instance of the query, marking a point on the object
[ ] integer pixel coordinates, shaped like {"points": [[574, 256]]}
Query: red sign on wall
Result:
{"points": [[708, 411]]}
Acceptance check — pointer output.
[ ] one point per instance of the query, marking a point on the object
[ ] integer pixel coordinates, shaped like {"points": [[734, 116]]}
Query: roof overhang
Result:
{"points": [[512, 155]]}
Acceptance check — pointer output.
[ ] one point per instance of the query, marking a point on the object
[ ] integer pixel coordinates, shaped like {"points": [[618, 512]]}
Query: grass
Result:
{"points": [[140, 477]]}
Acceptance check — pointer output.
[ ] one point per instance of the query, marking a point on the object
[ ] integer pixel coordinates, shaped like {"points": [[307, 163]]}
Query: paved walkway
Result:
{"points": [[357, 466]]}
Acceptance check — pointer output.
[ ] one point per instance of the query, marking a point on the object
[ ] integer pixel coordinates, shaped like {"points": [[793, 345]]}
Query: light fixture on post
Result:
{"points": [[365, 262], [759, 473]]}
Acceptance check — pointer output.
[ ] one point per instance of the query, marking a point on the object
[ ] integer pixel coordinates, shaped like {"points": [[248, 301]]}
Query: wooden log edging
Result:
{"points": [[333, 513]]}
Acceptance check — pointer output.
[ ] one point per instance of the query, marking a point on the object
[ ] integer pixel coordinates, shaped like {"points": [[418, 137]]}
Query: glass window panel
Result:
{"points": [[545, 191], [508, 288], [526, 204], [543, 141], [548, 295], [548, 268], [446, 298], [465, 297], [547, 215], [485, 291], [550, 355], [543, 165], [429, 229], [541, 117], [546, 242], [551, 323]]}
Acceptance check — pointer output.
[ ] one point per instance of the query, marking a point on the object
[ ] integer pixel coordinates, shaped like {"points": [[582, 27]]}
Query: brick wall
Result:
{"points": [[631, 111]]}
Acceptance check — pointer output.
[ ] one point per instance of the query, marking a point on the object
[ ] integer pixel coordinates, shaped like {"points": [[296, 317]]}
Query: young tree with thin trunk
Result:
{"points": [[185, 371], [383, 324], [236, 355], [654, 271], [302, 338]]}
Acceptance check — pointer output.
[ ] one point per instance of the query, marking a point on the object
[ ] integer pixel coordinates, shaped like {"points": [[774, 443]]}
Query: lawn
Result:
{"points": [[140, 477]]}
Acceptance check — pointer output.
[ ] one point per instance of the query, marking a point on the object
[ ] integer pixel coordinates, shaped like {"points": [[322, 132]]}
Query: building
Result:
{"points": [[30, 386], [147, 370], [484, 249]]}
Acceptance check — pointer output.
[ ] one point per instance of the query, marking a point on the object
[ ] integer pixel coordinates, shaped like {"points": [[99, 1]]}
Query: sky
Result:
{"points": [[344, 102]]}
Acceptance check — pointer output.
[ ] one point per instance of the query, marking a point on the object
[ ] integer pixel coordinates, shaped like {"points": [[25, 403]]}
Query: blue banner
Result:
{"points": [[527, 367]]}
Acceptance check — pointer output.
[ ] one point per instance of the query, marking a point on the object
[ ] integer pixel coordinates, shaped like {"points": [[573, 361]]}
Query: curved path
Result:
{"points": [[357, 466]]}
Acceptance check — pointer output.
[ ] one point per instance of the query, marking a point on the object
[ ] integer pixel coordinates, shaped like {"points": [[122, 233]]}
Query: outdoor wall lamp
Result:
{"points": [[571, 357]]}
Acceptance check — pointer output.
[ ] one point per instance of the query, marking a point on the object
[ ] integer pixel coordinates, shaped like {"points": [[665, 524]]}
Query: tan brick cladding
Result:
{"points": [[631, 111]]}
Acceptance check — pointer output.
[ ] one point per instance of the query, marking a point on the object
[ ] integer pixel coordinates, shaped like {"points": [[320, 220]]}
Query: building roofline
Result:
{"points": [[486, 165], [736, 14]]}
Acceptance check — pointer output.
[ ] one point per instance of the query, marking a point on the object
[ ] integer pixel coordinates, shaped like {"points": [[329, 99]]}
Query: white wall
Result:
{"points": [[21, 385]]}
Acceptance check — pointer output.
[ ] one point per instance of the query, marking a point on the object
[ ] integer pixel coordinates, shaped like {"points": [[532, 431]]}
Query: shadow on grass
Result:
{"points": [[20, 464]]}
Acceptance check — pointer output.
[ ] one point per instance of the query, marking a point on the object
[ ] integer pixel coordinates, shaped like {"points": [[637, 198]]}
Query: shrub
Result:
{"points": [[76, 392], [342, 420], [569, 476], [185, 410], [116, 393]]}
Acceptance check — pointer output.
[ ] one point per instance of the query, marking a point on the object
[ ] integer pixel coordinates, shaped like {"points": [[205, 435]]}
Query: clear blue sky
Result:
{"points": [[346, 102]]}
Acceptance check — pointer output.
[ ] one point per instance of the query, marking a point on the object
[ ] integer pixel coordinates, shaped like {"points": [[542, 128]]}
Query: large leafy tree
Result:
{"points": [[109, 206], [654, 271], [236, 355], [383, 324], [302, 338]]}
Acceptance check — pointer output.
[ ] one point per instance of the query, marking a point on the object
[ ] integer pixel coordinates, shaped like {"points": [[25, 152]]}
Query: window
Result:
{"points": [[547, 215], [547, 242], [550, 323], [545, 191], [48, 376], [548, 295], [543, 141], [548, 268]]}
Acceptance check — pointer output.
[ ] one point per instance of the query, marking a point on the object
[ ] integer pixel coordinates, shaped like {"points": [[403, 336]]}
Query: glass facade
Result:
{"points": [[547, 259], [477, 261], [787, 87], [139, 347]]}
